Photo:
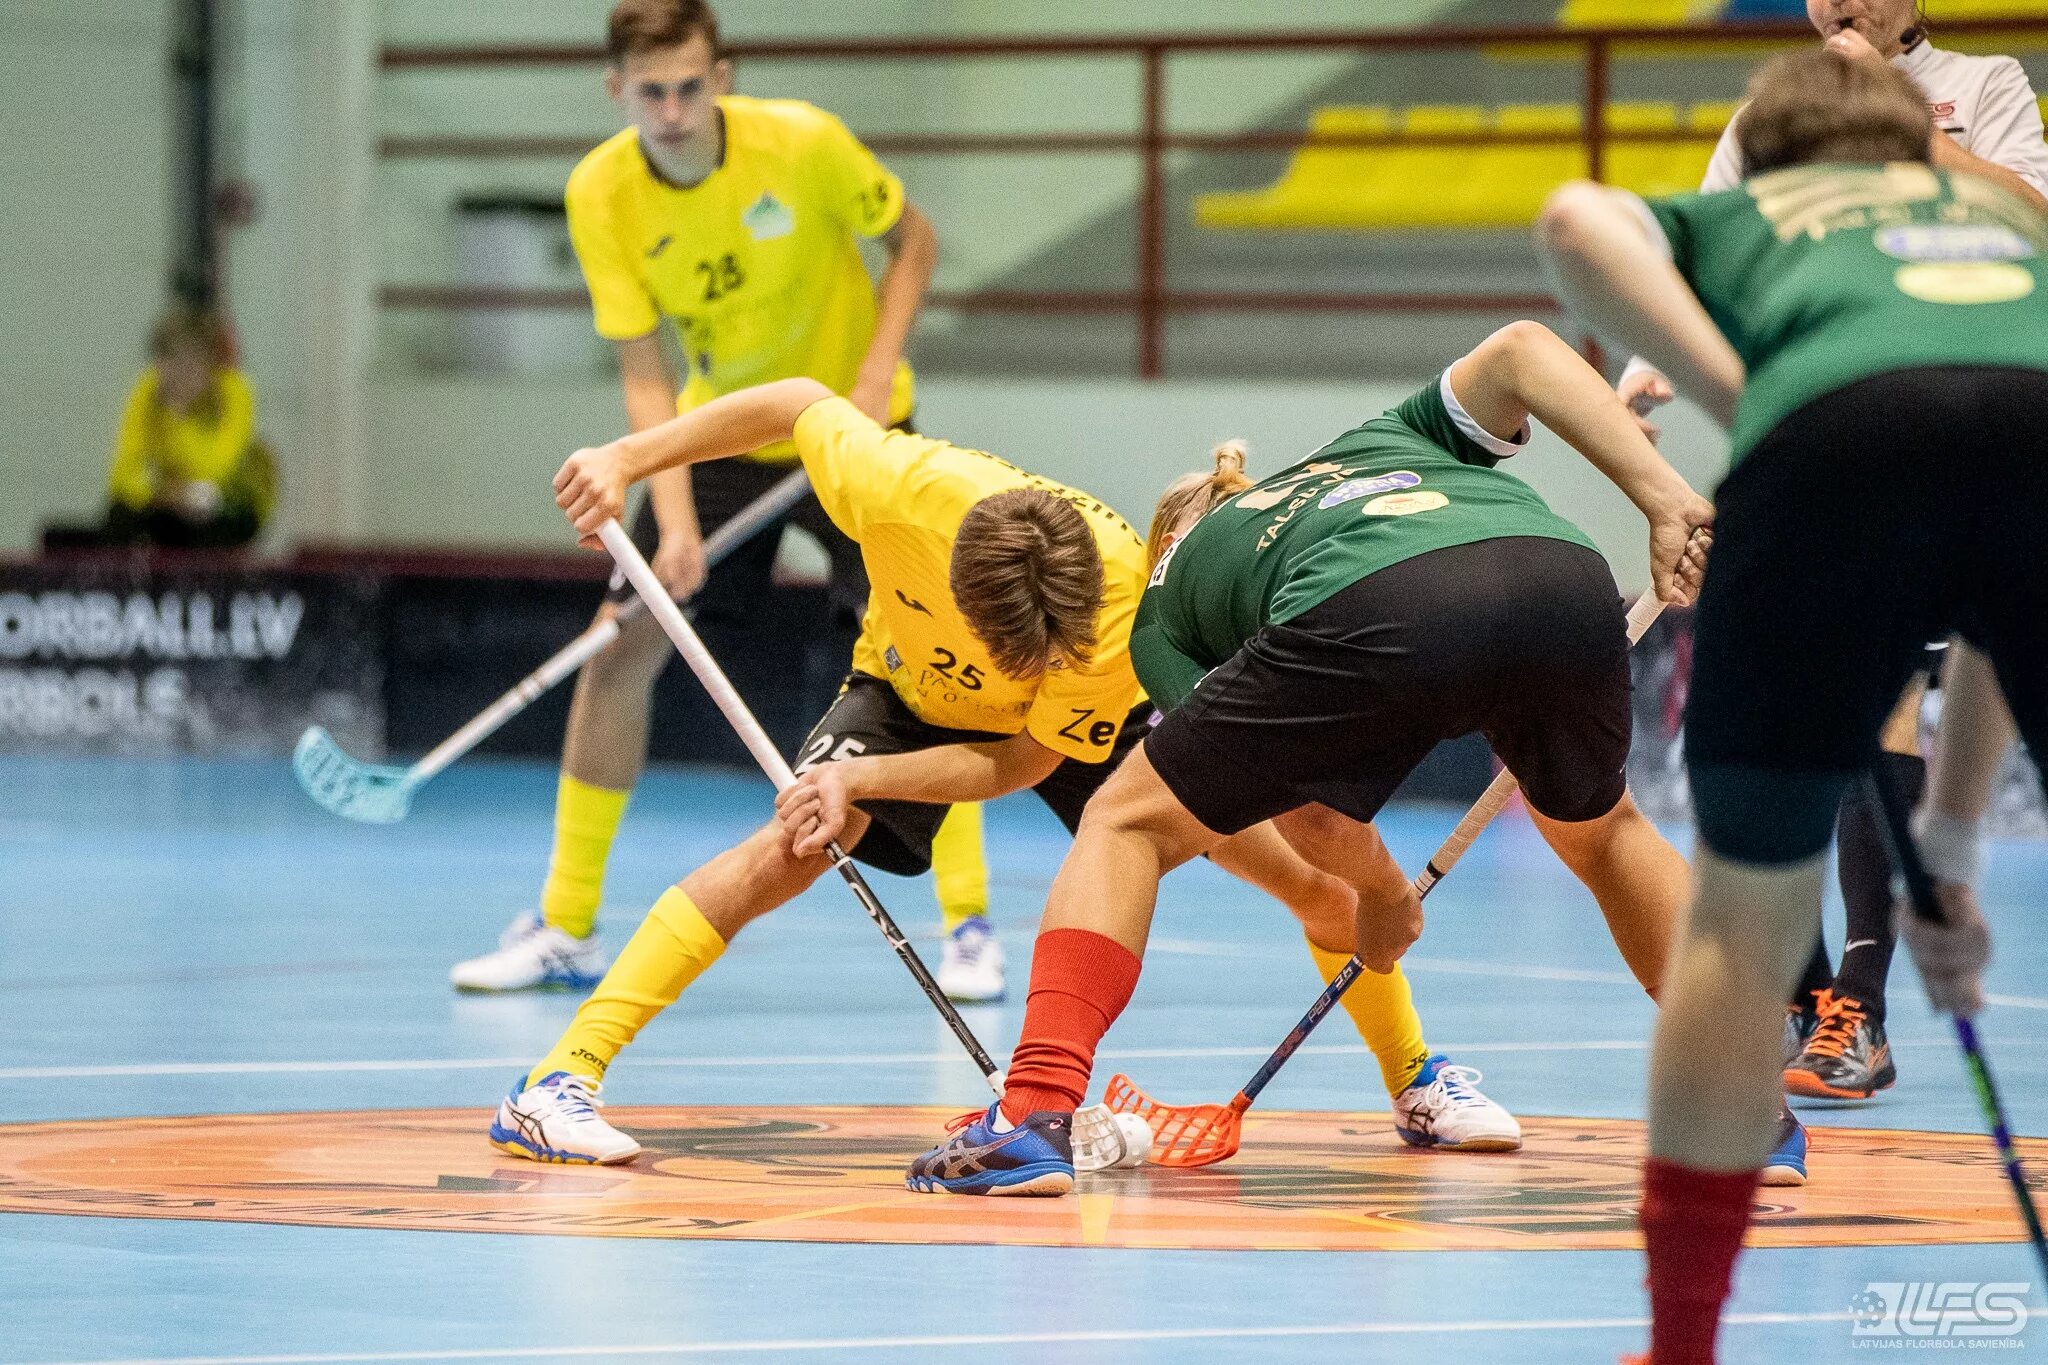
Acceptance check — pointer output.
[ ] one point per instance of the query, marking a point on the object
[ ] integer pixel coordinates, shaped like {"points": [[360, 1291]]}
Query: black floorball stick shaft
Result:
{"points": [[1897, 828]]}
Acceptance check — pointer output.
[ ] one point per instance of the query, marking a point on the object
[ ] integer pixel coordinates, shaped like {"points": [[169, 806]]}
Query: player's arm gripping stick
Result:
{"points": [[1199, 1135], [379, 794], [727, 699], [1897, 829]]}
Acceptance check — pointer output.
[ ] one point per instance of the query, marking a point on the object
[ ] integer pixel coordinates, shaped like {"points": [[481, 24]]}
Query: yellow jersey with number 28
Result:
{"points": [[901, 498], [758, 264]]}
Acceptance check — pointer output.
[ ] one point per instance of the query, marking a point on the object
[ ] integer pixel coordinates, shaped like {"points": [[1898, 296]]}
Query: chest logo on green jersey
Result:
{"points": [[768, 218], [1404, 504], [1964, 283], [1954, 243], [1354, 489]]}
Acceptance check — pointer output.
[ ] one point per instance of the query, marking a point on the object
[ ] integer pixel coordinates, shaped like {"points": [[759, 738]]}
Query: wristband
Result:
{"points": [[1952, 849]]}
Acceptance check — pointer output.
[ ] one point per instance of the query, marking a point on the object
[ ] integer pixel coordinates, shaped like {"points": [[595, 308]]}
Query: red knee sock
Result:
{"points": [[1080, 983], [1693, 1222]]}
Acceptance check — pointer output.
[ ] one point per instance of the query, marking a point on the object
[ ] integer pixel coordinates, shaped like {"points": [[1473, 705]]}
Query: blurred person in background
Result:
{"points": [[1987, 123], [189, 472], [738, 220]]}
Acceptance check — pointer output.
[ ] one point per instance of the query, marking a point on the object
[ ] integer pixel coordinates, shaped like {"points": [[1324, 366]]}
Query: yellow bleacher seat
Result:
{"points": [[1938, 10], [1635, 13], [1503, 186], [1711, 117], [1483, 185], [1320, 184], [1662, 167]]}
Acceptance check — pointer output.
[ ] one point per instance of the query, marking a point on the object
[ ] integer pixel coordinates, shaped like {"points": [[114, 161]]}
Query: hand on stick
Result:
{"points": [[813, 809], [1952, 954], [590, 488]]}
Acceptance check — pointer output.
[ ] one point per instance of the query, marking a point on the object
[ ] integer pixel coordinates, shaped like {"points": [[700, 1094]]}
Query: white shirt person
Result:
{"points": [[1986, 121]]}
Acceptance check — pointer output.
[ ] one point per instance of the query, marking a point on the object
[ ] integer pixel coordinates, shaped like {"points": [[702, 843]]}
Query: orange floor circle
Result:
{"points": [[1303, 1182]]}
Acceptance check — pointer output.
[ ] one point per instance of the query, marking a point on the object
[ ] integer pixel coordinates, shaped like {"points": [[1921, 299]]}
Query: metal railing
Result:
{"points": [[1151, 300]]}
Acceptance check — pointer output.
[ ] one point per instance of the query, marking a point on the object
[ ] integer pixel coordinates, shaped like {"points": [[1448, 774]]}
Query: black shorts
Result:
{"points": [[1892, 511], [869, 718], [1521, 639], [723, 488]]}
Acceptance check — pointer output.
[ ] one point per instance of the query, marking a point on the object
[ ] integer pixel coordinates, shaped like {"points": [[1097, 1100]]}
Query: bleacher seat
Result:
{"points": [[1938, 10], [1499, 185], [1635, 13]]}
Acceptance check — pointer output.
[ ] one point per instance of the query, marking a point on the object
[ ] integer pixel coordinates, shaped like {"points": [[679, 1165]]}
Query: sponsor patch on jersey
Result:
{"points": [[1949, 243], [1404, 504], [768, 218], [1355, 489], [892, 658], [1975, 283]]}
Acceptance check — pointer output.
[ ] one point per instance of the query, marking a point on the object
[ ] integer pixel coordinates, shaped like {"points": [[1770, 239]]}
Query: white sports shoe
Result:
{"points": [[971, 971], [555, 1119], [1108, 1141], [532, 955], [1443, 1108]]}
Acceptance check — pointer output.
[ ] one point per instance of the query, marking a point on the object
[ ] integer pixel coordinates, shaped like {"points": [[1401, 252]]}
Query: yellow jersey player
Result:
{"points": [[995, 658], [738, 220]]}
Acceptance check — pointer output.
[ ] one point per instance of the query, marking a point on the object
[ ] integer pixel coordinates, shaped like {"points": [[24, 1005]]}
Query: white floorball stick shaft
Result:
{"points": [[742, 527], [729, 703]]}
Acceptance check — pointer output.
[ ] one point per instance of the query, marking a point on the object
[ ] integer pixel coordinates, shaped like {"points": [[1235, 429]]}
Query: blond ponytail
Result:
{"points": [[1191, 497]]}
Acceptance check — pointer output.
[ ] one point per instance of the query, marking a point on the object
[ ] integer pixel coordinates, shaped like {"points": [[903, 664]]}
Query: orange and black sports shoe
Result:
{"points": [[1847, 1058], [1801, 1020]]}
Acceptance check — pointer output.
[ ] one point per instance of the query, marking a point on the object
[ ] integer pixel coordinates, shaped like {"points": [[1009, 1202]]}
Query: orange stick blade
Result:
{"points": [[1182, 1134]]}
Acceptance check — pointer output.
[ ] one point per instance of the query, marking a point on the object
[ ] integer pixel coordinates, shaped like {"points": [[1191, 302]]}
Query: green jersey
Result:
{"points": [[1417, 479], [1823, 275]]}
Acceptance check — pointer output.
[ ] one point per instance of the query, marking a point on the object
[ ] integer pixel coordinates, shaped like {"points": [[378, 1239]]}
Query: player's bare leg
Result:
{"points": [[1436, 1104], [1715, 1098], [603, 753], [1640, 881], [606, 741]]}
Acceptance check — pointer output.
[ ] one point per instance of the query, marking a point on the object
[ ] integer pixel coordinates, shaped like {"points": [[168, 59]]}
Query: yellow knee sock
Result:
{"points": [[586, 819], [1384, 1011], [670, 949], [958, 867]]}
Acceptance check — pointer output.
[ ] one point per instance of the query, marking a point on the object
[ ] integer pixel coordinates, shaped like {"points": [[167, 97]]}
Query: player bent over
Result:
{"points": [[994, 659], [1310, 638], [1880, 322]]}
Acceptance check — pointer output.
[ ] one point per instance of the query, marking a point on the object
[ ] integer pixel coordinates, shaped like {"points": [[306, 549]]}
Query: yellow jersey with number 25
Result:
{"points": [[901, 498], [758, 264]]}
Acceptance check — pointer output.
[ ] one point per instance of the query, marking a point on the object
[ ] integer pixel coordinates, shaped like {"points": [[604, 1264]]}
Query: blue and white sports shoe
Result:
{"points": [[555, 1119], [1787, 1162], [1442, 1107], [985, 1155], [532, 955], [971, 968]]}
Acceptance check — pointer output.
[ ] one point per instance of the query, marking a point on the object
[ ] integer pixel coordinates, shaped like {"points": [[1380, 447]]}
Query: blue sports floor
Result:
{"points": [[192, 938]]}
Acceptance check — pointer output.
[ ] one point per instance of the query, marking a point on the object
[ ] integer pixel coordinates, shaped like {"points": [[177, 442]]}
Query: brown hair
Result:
{"points": [[1191, 497], [1027, 575], [638, 26], [1815, 105], [187, 324]]}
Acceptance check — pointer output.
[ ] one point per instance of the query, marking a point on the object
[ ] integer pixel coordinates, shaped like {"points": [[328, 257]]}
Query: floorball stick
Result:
{"points": [[377, 794], [1898, 836], [1203, 1134], [734, 709]]}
